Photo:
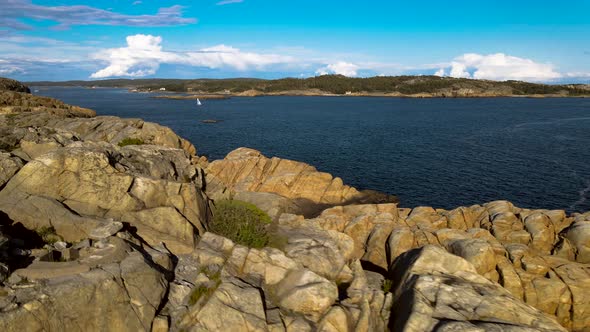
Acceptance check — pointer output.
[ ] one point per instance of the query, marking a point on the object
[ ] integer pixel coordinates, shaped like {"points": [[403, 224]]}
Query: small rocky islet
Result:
{"points": [[104, 227]]}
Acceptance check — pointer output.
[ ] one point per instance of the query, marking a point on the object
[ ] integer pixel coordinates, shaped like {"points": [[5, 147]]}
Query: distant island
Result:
{"points": [[338, 85]]}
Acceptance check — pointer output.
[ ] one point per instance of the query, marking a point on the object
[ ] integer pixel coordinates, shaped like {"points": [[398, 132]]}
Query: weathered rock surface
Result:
{"points": [[9, 165], [435, 288], [78, 188], [273, 204], [14, 102], [233, 304], [113, 130], [282, 294], [63, 129], [247, 170], [577, 239], [537, 255], [111, 290]]}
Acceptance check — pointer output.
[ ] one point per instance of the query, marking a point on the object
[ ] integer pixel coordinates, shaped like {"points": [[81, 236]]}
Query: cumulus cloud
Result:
{"points": [[7, 68], [578, 77], [10, 70], [340, 68], [143, 55], [499, 67], [580, 74], [440, 72], [228, 2], [84, 15]]}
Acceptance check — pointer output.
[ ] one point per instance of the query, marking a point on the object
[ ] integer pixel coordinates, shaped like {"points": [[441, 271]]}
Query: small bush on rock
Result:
{"points": [[205, 290], [131, 141], [241, 222], [199, 292], [387, 285], [48, 234]]}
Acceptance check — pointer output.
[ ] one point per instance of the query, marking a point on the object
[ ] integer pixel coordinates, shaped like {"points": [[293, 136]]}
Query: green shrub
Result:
{"points": [[131, 141], [48, 234], [241, 222], [387, 284]]}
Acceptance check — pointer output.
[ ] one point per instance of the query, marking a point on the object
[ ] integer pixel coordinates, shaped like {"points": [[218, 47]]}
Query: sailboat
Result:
{"points": [[199, 102]]}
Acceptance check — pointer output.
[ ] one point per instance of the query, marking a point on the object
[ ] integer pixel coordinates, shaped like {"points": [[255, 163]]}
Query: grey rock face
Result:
{"points": [[105, 230], [9, 165], [110, 290]]}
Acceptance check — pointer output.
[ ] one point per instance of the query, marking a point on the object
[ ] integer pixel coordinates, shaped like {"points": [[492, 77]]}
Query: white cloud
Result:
{"points": [[340, 68], [7, 68], [10, 70], [13, 10], [228, 2], [143, 55], [440, 72], [579, 74], [459, 70], [499, 67]]}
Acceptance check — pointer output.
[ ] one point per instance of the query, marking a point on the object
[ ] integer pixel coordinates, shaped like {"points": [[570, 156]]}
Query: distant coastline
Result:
{"points": [[335, 85], [253, 93], [190, 97]]}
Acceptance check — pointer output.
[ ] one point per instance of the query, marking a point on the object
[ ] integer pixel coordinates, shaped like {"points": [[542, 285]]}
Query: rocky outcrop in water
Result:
{"points": [[103, 226]]}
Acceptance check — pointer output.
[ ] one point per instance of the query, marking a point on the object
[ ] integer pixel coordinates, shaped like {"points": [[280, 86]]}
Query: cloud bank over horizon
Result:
{"points": [[499, 67], [143, 55], [80, 39]]}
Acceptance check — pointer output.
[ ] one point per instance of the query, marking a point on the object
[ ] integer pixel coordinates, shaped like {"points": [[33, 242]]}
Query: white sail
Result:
{"points": [[199, 102]]}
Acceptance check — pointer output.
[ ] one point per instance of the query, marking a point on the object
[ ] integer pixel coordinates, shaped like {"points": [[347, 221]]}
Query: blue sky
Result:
{"points": [[544, 41]]}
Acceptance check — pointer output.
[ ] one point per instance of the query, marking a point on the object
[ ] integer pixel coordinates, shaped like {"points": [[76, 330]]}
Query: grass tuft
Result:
{"points": [[205, 290], [387, 285], [131, 141], [241, 222], [199, 292], [48, 234]]}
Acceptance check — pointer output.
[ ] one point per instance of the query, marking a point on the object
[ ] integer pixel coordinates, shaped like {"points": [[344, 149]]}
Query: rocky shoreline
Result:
{"points": [[191, 97], [104, 227], [462, 93]]}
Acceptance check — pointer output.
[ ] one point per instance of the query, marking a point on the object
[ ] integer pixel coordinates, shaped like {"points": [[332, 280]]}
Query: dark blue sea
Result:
{"points": [[436, 152]]}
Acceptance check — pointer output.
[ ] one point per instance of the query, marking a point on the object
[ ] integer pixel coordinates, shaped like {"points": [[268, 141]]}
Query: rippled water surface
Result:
{"points": [[436, 152]]}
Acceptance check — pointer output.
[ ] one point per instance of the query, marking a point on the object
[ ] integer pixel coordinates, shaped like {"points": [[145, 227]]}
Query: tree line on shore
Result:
{"points": [[338, 84]]}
